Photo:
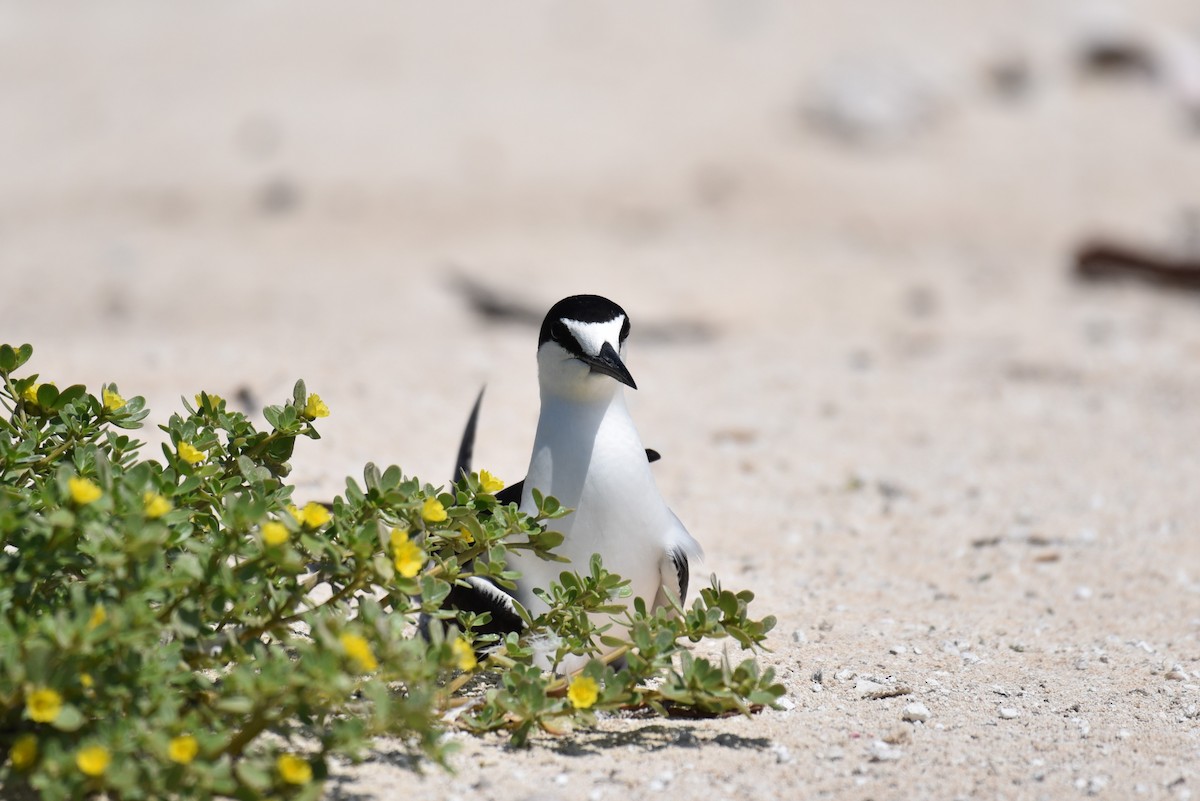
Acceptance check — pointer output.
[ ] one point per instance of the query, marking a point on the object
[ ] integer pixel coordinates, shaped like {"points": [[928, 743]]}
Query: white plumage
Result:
{"points": [[588, 455]]}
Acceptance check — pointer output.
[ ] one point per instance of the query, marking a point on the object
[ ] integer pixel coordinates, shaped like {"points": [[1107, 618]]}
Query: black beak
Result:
{"points": [[608, 362]]}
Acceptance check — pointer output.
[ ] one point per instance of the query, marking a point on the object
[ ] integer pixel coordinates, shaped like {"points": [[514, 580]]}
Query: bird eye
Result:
{"points": [[624, 329]]}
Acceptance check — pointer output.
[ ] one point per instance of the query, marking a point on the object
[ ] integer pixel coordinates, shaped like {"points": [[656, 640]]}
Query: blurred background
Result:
{"points": [[230, 196], [913, 292]]}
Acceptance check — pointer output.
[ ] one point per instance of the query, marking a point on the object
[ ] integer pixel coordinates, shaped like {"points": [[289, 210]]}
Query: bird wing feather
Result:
{"points": [[674, 568]]}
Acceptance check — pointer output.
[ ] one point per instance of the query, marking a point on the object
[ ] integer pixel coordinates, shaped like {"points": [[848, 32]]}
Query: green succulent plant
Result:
{"points": [[189, 628]]}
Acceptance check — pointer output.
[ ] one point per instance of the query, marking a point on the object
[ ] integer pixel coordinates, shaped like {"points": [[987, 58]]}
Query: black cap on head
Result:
{"points": [[584, 309], [588, 310]]}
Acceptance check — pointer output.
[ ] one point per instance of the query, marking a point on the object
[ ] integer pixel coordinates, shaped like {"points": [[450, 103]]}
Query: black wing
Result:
{"points": [[673, 572], [480, 595], [682, 574], [511, 493]]}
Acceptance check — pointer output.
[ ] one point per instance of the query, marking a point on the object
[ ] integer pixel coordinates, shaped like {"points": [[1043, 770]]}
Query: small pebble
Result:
{"points": [[871, 103], [661, 782], [1176, 673], [915, 712], [1008, 713], [799, 637], [882, 752], [898, 650], [866, 686]]}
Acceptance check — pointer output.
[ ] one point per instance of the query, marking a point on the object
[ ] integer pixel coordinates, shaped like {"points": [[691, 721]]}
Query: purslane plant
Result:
{"points": [[189, 628]]}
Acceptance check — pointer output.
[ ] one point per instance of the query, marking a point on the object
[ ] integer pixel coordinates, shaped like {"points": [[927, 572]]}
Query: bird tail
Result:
{"points": [[466, 448]]}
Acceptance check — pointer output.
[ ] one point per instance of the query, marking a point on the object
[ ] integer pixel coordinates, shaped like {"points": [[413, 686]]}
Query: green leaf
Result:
{"points": [[69, 719], [12, 358], [186, 564], [71, 393], [281, 449], [371, 476], [272, 415], [390, 479], [251, 471], [254, 774], [46, 396], [238, 705]]}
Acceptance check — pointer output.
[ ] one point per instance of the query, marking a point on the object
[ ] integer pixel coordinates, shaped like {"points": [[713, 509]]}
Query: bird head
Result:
{"points": [[581, 348]]}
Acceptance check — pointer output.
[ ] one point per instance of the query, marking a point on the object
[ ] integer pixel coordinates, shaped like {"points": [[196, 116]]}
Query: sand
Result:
{"points": [[959, 477]]}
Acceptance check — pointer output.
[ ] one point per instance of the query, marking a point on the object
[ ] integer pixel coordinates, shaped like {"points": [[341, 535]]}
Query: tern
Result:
{"points": [[587, 454]]}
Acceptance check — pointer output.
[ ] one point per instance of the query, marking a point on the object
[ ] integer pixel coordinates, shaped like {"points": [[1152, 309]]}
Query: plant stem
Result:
{"points": [[257, 724]]}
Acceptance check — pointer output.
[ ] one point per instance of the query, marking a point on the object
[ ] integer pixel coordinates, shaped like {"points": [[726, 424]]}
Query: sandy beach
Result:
{"points": [[965, 481]]}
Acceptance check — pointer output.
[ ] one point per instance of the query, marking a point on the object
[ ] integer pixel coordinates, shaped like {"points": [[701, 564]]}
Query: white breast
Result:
{"points": [[590, 458]]}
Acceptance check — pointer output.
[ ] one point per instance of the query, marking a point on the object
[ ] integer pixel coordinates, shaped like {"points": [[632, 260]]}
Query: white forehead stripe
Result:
{"points": [[592, 336]]}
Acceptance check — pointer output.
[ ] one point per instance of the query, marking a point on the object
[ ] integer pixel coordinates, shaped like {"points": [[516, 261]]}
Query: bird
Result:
{"points": [[587, 454]]}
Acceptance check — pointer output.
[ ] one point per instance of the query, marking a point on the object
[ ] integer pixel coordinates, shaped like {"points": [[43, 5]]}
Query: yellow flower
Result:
{"points": [[274, 533], [433, 511], [155, 505], [83, 491], [464, 655], [213, 398], [489, 483], [93, 760], [191, 454], [406, 554], [98, 617], [583, 692], [43, 705], [293, 770], [86, 680], [315, 407], [30, 393], [313, 515], [359, 650], [467, 536], [112, 400], [183, 749], [24, 752]]}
